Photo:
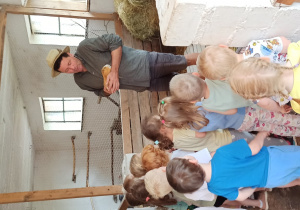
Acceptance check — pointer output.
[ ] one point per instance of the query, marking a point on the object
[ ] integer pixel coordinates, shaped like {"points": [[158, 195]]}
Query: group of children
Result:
{"points": [[245, 92]]}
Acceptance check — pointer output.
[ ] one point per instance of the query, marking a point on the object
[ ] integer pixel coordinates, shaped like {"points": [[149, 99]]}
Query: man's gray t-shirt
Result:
{"points": [[94, 53]]}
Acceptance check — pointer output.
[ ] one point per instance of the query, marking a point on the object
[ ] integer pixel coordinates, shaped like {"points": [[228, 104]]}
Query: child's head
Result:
{"points": [[175, 114], [185, 176], [256, 78], [215, 62], [154, 157], [138, 189], [152, 127], [156, 183], [138, 195], [187, 87], [132, 201], [136, 166]]}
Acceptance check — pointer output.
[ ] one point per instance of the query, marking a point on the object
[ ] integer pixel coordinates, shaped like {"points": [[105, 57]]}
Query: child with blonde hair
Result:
{"points": [[216, 62], [136, 166], [237, 169], [255, 78], [187, 87], [245, 119], [154, 157], [216, 95]]}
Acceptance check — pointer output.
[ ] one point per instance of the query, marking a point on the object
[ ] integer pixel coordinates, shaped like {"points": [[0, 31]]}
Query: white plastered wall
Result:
{"points": [[230, 22], [16, 149], [53, 160]]}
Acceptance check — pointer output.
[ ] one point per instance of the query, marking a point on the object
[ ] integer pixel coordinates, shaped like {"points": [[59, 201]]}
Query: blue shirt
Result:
{"points": [[233, 167], [221, 121]]}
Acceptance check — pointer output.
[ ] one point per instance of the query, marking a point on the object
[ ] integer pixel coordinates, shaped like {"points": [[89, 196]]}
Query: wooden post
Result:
{"points": [[118, 25], [286, 2], [2, 37], [124, 204], [44, 195], [19, 10]]}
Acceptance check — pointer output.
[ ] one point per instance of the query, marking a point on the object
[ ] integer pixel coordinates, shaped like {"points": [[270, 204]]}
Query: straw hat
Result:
{"points": [[52, 56]]}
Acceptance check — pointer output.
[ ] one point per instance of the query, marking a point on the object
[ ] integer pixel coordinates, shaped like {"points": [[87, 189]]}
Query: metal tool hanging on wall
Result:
{"points": [[88, 159], [74, 159]]}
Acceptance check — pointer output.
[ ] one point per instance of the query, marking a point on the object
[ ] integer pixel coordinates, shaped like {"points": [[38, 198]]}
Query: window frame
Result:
{"points": [[61, 5], [61, 125]]}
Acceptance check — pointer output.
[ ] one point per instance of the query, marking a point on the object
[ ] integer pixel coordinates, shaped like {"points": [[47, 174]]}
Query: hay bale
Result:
{"points": [[139, 16], [138, 3]]}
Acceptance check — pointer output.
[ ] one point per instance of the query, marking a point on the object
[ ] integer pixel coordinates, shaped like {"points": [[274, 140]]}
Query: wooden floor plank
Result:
{"points": [[125, 117], [135, 122], [144, 102], [162, 94], [154, 102]]}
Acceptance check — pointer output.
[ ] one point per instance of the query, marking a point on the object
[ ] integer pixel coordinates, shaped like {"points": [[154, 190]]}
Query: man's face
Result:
{"points": [[70, 65]]}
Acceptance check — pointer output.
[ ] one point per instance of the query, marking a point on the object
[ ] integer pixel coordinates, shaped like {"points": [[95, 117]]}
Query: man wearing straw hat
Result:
{"points": [[130, 68]]}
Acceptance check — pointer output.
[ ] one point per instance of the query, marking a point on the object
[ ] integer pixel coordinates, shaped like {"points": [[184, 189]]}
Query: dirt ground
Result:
{"points": [[284, 199]]}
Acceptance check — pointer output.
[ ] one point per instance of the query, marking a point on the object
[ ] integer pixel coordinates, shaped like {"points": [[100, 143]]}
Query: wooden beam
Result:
{"points": [[124, 204], [45, 195], [2, 36], [286, 2], [62, 5], [19, 10]]}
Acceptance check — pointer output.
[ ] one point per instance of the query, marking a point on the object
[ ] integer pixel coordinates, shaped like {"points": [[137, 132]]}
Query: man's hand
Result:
{"points": [[107, 92], [112, 82]]}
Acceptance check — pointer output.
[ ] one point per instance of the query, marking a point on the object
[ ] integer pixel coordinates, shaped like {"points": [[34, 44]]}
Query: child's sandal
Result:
{"points": [[263, 200]]}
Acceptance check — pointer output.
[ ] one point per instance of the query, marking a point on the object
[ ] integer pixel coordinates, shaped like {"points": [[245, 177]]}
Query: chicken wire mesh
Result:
{"points": [[53, 158]]}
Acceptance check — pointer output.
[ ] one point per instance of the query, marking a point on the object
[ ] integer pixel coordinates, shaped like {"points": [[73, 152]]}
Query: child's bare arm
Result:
{"points": [[271, 105], [244, 193], [228, 112], [257, 143], [285, 44], [200, 134]]}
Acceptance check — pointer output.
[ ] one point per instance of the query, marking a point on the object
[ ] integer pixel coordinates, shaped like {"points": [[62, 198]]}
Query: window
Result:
{"points": [[61, 113], [57, 26], [55, 30]]}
